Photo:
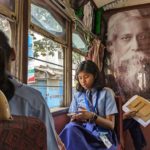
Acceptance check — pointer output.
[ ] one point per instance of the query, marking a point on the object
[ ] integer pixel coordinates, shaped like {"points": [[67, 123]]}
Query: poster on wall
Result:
{"points": [[127, 38]]}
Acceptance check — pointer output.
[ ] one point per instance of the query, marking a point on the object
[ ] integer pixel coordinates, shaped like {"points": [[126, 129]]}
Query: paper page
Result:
{"points": [[142, 106]]}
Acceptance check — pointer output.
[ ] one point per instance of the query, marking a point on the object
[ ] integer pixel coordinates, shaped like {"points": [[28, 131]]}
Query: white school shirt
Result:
{"points": [[106, 104]]}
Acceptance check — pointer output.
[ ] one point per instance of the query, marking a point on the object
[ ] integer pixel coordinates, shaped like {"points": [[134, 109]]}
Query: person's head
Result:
{"points": [[88, 76], [6, 55], [128, 37], [128, 33]]}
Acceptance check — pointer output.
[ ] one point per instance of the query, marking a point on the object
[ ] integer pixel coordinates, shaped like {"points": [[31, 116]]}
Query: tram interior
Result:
{"points": [[52, 37]]}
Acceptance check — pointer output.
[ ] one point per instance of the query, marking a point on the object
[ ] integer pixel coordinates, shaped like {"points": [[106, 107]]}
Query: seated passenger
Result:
{"points": [[24, 100], [93, 110], [129, 123], [135, 131]]}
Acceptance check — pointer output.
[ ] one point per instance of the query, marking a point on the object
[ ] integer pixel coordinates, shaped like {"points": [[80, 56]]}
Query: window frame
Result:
{"points": [[10, 13], [44, 32], [66, 45]]}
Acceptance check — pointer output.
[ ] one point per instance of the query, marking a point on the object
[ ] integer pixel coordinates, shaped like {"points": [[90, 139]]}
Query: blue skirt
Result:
{"points": [[76, 137]]}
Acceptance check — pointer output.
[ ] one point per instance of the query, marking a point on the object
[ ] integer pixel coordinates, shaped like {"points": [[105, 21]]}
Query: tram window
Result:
{"points": [[78, 42], [48, 21], [5, 27], [76, 59], [79, 45], [45, 68], [9, 4]]}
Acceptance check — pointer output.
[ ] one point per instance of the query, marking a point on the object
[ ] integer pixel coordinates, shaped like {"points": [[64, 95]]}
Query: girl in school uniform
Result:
{"points": [[92, 112]]}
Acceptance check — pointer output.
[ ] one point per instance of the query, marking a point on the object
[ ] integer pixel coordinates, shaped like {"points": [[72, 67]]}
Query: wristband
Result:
{"points": [[95, 117]]}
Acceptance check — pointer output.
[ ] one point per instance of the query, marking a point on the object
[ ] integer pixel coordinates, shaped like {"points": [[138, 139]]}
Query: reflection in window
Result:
{"points": [[78, 42], [45, 68], [10, 4], [76, 60], [5, 27], [46, 20]]}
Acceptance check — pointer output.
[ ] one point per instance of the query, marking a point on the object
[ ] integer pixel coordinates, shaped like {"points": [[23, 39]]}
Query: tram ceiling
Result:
{"points": [[118, 3], [111, 4]]}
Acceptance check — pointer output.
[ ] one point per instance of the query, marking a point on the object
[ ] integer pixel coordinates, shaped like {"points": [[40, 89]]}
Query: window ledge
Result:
{"points": [[59, 110]]}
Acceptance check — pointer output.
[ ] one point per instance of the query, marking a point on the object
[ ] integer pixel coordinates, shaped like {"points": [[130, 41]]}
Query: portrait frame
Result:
{"points": [[144, 11]]}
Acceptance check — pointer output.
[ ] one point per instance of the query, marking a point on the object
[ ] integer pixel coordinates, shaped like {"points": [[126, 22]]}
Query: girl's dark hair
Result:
{"points": [[5, 51], [90, 67]]}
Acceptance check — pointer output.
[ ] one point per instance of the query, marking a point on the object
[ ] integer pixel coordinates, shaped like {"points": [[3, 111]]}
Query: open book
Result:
{"points": [[142, 106]]}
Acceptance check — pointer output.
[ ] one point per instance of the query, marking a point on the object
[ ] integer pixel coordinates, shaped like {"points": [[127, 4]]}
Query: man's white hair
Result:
{"points": [[118, 17]]}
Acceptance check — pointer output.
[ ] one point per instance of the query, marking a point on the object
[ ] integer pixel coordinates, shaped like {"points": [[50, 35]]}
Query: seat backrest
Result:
{"points": [[60, 121], [23, 133], [119, 122]]}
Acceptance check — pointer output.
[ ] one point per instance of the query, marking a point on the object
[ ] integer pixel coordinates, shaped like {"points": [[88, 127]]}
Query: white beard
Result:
{"points": [[130, 71]]}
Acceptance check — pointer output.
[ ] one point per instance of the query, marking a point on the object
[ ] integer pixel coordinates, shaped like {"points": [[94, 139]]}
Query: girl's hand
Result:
{"points": [[130, 114], [82, 116]]}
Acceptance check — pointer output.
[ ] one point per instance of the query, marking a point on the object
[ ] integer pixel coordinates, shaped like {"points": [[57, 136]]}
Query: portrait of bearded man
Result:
{"points": [[128, 41]]}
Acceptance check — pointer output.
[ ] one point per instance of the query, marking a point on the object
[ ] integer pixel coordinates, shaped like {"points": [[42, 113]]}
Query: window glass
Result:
{"points": [[45, 68], [76, 60], [78, 42], [10, 4], [48, 21], [5, 27]]}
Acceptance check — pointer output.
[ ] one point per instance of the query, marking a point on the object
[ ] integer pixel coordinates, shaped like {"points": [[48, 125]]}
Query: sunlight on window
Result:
{"points": [[76, 60], [78, 42], [5, 27], [44, 19], [45, 68]]}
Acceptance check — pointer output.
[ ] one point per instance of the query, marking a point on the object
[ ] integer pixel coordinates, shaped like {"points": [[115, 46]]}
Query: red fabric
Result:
{"points": [[23, 133], [96, 53]]}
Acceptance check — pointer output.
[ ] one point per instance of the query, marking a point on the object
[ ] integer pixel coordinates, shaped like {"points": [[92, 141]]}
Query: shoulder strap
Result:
{"points": [[97, 97]]}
